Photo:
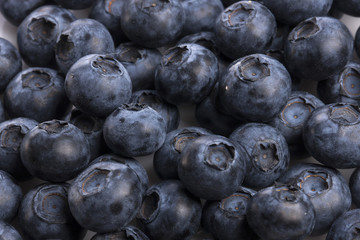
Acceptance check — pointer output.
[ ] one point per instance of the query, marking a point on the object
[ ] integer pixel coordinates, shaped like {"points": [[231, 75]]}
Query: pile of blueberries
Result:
{"points": [[82, 100]]}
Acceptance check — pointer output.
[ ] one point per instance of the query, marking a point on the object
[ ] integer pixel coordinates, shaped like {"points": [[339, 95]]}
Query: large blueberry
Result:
{"points": [[80, 38], [265, 151], [166, 159], [254, 87], [37, 93], [327, 189], [10, 197], [55, 151], [134, 130], [346, 226], [44, 213], [98, 84], [187, 74], [211, 167], [332, 135], [10, 62], [37, 34], [105, 197], [12, 133], [317, 48], [244, 28], [152, 23], [169, 212], [281, 212]]}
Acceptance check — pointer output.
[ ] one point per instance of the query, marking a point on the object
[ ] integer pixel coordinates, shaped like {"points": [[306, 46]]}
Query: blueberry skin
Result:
{"points": [[36, 93], [244, 28], [44, 213], [80, 38], [75, 4], [205, 39], [200, 15], [108, 12], [8, 232], [317, 48], [92, 127], [265, 151], [15, 11], [297, 11], [62, 143], [226, 219], [357, 41], [98, 84], [351, 7], [255, 88], [126, 233], [105, 197], [341, 87], [152, 23], [187, 74], [292, 118], [282, 32], [10, 197], [140, 63], [166, 159], [12, 133], [346, 226], [131, 163], [211, 167], [169, 212], [37, 34], [331, 135], [327, 189], [281, 212], [134, 130], [10, 62], [168, 111], [355, 186], [2, 112]]}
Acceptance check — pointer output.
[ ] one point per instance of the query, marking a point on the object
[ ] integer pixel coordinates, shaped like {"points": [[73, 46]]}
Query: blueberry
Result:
{"points": [[75, 4], [105, 197], [200, 15], [331, 135], [265, 151], [355, 186], [152, 23], [12, 133], [126, 233], [254, 87], [37, 34], [281, 212], [169, 212], [291, 13], [37, 93], [346, 226], [341, 87], [211, 167], [108, 12], [45, 214], [10, 62], [317, 48], [140, 63], [98, 84], [327, 189], [187, 74], [15, 11], [166, 159], [80, 38], [226, 219], [292, 118], [9, 232], [134, 130], [168, 111], [244, 28], [10, 197], [92, 127], [55, 151], [351, 7]]}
